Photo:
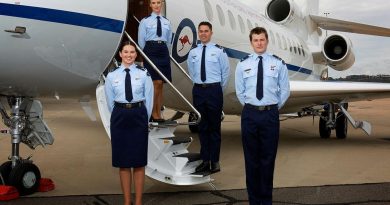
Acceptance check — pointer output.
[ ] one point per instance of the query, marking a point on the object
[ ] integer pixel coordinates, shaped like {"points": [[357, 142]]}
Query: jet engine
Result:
{"points": [[289, 14], [337, 50]]}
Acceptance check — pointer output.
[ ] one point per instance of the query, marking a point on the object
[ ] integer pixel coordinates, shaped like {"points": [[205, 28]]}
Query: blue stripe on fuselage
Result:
{"points": [[60, 16]]}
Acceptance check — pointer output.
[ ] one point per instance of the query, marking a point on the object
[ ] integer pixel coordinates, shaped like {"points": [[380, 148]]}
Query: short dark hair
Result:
{"points": [[127, 43], [258, 30], [205, 23]]}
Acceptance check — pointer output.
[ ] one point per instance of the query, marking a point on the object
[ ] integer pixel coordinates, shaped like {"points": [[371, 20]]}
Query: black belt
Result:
{"points": [[158, 42], [129, 105], [261, 108], [205, 85]]}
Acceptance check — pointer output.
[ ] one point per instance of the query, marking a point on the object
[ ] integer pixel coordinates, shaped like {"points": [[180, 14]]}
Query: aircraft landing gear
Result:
{"points": [[25, 125], [341, 126], [325, 131], [328, 121]]}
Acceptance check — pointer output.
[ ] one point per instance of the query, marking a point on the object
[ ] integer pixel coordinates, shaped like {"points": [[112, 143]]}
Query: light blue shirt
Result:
{"points": [[147, 30], [216, 62], [276, 86], [141, 84]]}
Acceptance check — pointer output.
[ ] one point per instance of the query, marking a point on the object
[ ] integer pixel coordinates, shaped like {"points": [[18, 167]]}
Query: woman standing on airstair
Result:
{"points": [[154, 36]]}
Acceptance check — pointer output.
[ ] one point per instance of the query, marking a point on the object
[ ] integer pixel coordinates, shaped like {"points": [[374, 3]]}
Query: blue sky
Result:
{"points": [[372, 52]]}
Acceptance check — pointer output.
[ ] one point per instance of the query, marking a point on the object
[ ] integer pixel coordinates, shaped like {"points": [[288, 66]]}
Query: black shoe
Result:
{"points": [[203, 167], [156, 120], [215, 167]]}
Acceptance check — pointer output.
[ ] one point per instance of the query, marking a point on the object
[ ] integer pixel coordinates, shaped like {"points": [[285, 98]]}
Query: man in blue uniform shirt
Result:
{"points": [[262, 87], [208, 66]]}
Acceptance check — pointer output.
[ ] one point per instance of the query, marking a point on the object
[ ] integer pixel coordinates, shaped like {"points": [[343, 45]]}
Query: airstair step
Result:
{"points": [[201, 174], [192, 157], [167, 123], [179, 140]]}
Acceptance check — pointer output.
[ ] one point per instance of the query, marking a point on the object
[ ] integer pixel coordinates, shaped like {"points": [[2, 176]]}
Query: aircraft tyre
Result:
{"points": [[193, 118], [324, 130], [5, 170], [25, 177], [341, 126]]}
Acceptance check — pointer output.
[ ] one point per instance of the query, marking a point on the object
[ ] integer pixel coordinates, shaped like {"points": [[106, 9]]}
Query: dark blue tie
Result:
{"points": [[159, 31], [128, 89], [203, 65], [259, 87]]}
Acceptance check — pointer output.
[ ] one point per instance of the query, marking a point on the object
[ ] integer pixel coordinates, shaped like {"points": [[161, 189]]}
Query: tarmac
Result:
{"points": [[309, 170]]}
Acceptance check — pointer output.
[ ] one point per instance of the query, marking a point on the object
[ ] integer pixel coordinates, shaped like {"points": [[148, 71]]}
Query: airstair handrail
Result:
{"points": [[165, 79], [173, 60]]}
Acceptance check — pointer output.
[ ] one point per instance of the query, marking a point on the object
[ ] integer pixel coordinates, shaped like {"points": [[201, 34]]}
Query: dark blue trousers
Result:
{"points": [[209, 101], [260, 136]]}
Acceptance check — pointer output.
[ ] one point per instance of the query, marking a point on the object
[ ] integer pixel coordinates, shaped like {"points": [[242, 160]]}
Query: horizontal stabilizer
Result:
{"points": [[348, 26]]}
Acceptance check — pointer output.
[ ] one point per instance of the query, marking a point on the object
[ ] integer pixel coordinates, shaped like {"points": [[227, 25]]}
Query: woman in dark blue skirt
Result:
{"points": [[129, 95], [154, 37]]}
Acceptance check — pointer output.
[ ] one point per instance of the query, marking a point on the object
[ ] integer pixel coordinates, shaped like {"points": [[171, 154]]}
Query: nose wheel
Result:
{"points": [[25, 177]]}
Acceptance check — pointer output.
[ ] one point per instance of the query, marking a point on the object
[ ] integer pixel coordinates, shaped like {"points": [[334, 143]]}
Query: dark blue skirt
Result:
{"points": [[159, 54], [129, 137]]}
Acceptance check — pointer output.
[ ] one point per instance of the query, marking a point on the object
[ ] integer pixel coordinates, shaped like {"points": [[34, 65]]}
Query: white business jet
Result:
{"points": [[62, 48]]}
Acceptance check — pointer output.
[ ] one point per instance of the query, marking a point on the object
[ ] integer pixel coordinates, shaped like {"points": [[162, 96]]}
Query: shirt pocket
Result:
{"points": [[273, 73], [213, 58], [151, 27], [138, 87], [165, 26], [194, 59], [249, 74]]}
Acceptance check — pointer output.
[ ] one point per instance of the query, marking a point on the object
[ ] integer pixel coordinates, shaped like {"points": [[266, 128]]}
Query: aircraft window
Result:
{"points": [[303, 50], [232, 20], [284, 43], [209, 10], [295, 47], [289, 45], [299, 50], [221, 16], [242, 24], [272, 37], [278, 40], [250, 26]]}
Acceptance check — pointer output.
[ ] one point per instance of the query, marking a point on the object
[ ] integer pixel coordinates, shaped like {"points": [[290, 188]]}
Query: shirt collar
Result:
{"points": [[155, 15], [122, 68], [207, 44], [264, 55]]}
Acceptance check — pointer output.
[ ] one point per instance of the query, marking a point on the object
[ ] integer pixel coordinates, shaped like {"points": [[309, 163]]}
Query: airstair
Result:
{"points": [[169, 160]]}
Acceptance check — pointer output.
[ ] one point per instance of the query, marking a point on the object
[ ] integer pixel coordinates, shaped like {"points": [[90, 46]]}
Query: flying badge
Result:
{"points": [[213, 54], [273, 67], [247, 70]]}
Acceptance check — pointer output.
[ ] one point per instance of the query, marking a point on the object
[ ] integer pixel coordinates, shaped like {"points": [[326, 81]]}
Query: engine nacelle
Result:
{"points": [[283, 11], [287, 13], [337, 50]]}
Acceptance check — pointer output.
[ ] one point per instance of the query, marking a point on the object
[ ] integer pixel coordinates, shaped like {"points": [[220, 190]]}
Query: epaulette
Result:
{"points": [[244, 58], [140, 67], [193, 47], [220, 47], [279, 58], [165, 17], [143, 69], [147, 16]]}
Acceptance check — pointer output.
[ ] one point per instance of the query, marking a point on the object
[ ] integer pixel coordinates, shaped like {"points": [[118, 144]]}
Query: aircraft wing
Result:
{"points": [[348, 26], [310, 93]]}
